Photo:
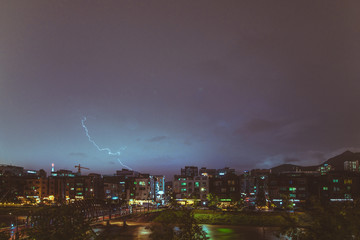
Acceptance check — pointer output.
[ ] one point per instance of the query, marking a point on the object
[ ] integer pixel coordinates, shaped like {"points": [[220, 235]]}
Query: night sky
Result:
{"points": [[243, 84]]}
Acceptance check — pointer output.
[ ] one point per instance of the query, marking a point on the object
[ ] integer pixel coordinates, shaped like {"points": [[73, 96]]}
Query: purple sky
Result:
{"points": [[175, 83]]}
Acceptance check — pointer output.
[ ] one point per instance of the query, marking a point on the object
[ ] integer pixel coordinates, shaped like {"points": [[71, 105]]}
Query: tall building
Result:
{"points": [[186, 187], [189, 171], [157, 188], [352, 166]]}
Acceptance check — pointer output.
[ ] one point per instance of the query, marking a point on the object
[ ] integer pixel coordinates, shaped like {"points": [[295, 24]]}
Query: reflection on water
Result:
{"points": [[225, 232], [239, 232]]}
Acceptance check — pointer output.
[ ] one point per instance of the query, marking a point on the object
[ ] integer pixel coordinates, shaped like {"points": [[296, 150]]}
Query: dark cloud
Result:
{"points": [[291, 160], [188, 142], [257, 125], [78, 154], [250, 83], [157, 139], [306, 158]]}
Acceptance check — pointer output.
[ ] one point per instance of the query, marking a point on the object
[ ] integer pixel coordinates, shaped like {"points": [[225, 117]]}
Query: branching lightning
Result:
{"points": [[108, 150]]}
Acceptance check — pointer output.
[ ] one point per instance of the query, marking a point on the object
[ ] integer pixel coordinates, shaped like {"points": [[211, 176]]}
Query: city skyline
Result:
{"points": [[169, 84]]}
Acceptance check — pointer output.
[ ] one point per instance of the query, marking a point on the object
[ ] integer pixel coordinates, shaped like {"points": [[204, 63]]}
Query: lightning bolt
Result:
{"points": [[108, 150]]}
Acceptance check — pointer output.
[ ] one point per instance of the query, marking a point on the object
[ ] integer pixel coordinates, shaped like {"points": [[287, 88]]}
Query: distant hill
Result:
{"points": [[337, 162], [291, 168]]}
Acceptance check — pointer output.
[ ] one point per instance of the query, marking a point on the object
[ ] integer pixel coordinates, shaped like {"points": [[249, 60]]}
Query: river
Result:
{"points": [[220, 232]]}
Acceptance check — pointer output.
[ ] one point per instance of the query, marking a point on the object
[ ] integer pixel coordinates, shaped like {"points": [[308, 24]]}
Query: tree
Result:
{"points": [[333, 221], [188, 227], [4, 235], [176, 225], [286, 203], [173, 202], [213, 200], [260, 197], [59, 223]]}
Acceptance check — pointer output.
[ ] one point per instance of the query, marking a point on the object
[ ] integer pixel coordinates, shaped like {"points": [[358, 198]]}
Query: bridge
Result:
{"points": [[92, 211]]}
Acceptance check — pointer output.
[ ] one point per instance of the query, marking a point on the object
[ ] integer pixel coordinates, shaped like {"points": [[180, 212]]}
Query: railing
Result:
{"points": [[99, 215]]}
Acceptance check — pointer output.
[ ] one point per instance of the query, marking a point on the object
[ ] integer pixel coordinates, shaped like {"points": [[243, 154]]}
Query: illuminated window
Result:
{"points": [[203, 189], [142, 183], [135, 182], [292, 189], [325, 188], [347, 196], [292, 195], [183, 184], [183, 189], [197, 184], [335, 180], [347, 181]]}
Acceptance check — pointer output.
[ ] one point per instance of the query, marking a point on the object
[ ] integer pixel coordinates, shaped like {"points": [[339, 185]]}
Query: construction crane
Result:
{"points": [[80, 167]]}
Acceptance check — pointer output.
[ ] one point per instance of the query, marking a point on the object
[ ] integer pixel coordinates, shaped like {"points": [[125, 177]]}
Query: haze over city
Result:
{"points": [[174, 83]]}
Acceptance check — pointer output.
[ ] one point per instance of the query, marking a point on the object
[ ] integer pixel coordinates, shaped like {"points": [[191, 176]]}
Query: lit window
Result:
{"points": [[325, 188], [347, 181], [183, 184], [347, 196], [335, 180]]}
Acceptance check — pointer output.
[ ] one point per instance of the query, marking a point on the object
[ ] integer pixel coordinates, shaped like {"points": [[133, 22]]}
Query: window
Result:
{"points": [[335, 180], [197, 184], [183, 189], [347, 181], [183, 184], [142, 183], [292, 189], [325, 188]]}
